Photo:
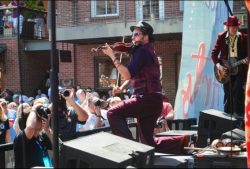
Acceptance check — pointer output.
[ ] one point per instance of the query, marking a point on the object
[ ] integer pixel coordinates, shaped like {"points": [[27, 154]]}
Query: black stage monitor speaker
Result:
{"points": [[212, 123], [105, 150], [235, 134]]}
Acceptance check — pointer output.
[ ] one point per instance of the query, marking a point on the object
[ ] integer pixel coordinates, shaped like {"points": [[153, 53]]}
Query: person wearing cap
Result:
{"points": [[231, 45], [16, 99], [143, 74]]}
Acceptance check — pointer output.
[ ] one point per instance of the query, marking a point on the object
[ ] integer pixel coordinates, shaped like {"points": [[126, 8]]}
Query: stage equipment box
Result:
{"points": [[177, 133], [235, 134], [105, 150], [220, 161], [213, 123], [171, 161], [191, 133]]}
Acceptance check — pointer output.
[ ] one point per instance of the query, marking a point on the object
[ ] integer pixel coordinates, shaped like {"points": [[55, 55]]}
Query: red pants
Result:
{"points": [[171, 144], [146, 109]]}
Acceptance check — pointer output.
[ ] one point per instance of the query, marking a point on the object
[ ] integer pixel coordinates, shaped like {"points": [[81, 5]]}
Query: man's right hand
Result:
{"points": [[116, 90], [222, 70], [220, 67]]}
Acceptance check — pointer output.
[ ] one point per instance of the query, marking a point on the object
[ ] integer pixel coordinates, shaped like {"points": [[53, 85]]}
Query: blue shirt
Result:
{"points": [[11, 116]]}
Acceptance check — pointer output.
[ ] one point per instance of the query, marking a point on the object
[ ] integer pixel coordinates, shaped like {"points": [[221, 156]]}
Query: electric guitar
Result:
{"points": [[232, 69]]}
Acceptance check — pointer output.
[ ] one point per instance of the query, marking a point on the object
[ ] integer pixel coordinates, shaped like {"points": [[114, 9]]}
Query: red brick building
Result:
{"points": [[82, 25]]}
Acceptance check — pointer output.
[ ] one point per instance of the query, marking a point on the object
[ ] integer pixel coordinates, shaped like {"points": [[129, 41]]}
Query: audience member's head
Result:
{"points": [[113, 101], [12, 106], [42, 100], [81, 95], [23, 111]]}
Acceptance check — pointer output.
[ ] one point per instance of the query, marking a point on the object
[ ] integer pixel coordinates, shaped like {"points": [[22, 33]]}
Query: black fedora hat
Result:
{"points": [[144, 26]]}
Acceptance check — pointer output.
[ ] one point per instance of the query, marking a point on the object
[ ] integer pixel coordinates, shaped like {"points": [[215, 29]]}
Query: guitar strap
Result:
{"points": [[241, 42], [239, 47]]}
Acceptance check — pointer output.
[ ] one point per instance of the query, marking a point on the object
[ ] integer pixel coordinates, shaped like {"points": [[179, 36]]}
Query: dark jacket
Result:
{"points": [[220, 50], [147, 81]]}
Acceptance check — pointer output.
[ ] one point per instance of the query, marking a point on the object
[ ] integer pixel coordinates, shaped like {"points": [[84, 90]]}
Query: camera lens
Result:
{"points": [[47, 110], [42, 112], [66, 93], [97, 102]]}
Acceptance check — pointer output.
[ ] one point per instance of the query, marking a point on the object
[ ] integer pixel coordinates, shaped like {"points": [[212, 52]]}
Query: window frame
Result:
{"points": [[94, 9], [181, 3], [99, 59], [74, 12], [139, 10]]}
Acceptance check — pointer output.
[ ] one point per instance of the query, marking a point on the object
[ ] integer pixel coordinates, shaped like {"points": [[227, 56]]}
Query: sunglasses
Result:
{"points": [[136, 34]]}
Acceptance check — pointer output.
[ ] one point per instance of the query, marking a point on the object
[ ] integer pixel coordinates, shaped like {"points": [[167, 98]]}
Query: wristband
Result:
{"points": [[115, 60], [118, 65]]}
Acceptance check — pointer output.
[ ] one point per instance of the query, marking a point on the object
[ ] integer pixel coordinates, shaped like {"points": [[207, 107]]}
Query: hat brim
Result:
{"points": [[132, 28], [228, 24]]}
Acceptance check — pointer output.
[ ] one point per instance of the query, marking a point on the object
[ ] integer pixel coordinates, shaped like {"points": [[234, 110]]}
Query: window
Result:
{"points": [[74, 6], [104, 8], [150, 9], [105, 73], [181, 5]]}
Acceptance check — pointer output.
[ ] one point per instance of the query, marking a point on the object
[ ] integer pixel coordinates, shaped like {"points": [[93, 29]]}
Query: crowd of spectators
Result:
{"points": [[14, 107], [79, 110]]}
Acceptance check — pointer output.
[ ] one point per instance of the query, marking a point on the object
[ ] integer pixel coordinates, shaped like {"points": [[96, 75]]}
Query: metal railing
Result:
{"points": [[32, 24], [182, 124], [3, 149]]}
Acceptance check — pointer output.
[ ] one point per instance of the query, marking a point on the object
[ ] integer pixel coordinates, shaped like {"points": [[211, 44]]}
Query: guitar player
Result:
{"points": [[232, 45]]}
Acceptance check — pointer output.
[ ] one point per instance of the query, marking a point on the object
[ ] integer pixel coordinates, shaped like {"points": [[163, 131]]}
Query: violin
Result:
{"points": [[118, 46]]}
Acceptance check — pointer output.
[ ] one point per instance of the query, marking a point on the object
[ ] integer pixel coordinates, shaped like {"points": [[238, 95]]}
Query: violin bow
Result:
{"points": [[120, 59]]}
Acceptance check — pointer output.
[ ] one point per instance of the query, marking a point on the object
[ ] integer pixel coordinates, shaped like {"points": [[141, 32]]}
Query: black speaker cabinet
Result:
{"points": [[65, 56], [235, 134], [105, 150], [212, 123], [220, 161]]}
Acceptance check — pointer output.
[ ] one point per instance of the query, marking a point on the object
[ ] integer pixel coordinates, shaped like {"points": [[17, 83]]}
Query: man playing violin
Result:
{"points": [[143, 74], [232, 45]]}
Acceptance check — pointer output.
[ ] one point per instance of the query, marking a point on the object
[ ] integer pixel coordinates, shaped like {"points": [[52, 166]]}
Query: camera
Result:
{"points": [[99, 102], [159, 122], [62, 106], [43, 112], [65, 93]]}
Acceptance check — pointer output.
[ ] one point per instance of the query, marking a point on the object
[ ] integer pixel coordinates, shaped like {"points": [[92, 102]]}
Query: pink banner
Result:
{"points": [[247, 118]]}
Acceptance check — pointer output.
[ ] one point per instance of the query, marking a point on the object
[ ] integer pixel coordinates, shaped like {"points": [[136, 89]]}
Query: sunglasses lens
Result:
{"points": [[135, 34]]}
